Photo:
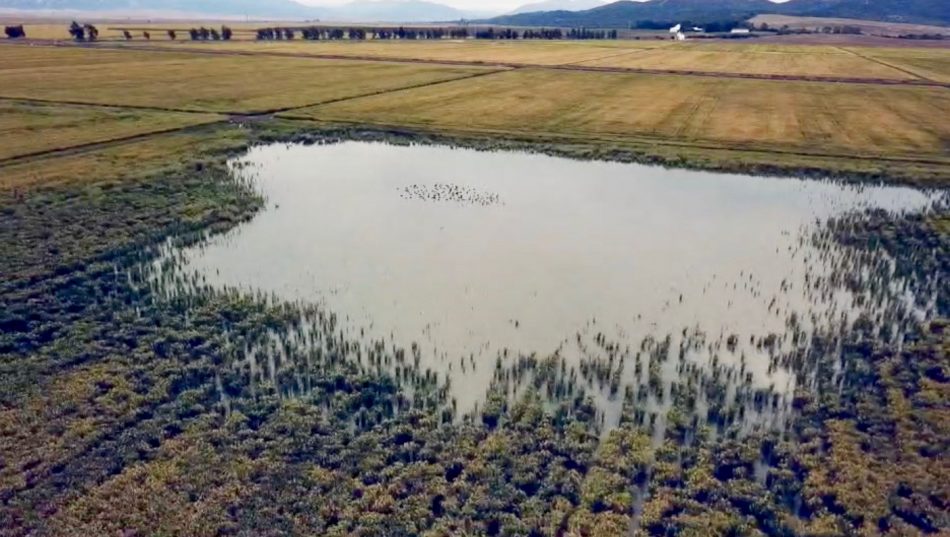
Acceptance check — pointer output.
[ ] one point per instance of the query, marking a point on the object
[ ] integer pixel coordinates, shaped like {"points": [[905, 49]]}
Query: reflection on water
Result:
{"points": [[637, 286]]}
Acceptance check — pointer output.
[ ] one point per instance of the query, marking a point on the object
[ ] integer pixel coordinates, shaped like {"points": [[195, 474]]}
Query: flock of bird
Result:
{"points": [[441, 192]]}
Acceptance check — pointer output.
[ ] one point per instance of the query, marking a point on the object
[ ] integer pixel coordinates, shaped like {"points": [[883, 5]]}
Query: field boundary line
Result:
{"points": [[378, 92], [245, 113], [871, 59], [112, 106], [916, 81], [626, 53], [103, 144]]}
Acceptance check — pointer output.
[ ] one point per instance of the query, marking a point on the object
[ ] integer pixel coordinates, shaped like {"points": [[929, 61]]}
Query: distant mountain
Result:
{"points": [[558, 5], [356, 11], [911, 11], [625, 13]]}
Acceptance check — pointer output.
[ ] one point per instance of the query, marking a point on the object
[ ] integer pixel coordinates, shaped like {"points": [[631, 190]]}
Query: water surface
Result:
{"points": [[480, 258]]}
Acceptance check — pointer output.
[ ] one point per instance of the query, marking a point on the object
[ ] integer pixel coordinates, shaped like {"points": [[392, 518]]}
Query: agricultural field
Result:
{"points": [[482, 51], [933, 64], [22, 58], [743, 114], [251, 291], [219, 84], [30, 128], [822, 63]]}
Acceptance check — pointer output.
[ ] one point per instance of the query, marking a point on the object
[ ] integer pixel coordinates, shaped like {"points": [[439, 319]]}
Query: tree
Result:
{"points": [[77, 31], [15, 32]]}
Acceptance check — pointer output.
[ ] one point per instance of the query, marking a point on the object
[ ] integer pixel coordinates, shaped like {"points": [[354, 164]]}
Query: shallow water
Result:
{"points": [[478, 256]]}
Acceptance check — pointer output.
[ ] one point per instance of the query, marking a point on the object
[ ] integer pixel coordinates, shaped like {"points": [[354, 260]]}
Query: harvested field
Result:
{"points": [[755, 60], [759, 61], [217, 84], [29, 57], [932, 64], [29, 128], [474, 51], [799, 116], [152, 155]]}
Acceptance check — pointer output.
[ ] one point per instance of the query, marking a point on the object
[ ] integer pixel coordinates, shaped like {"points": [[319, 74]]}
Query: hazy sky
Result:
{"points": [[474, 5]]}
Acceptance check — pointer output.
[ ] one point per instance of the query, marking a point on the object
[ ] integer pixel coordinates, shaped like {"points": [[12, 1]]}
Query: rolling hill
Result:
{"points": [[625, 13]]}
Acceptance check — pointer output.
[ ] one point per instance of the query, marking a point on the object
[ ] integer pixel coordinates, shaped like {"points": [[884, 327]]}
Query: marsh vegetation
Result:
{"points": [[337, 337]]}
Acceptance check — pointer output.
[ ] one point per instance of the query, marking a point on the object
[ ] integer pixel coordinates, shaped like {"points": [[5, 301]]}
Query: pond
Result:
{"points": [[641, 282]]}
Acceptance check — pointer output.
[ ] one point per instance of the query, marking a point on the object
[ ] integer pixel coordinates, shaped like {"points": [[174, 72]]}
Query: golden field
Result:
{"points": [[933, 64], [473, 51], [215, 84], [806, 64], [769, 59], [846, 119], [709, 121], [28, 128]]}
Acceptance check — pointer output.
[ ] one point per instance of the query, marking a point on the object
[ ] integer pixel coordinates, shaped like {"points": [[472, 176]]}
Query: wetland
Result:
{"points": [[639, 282], [347, 337]]}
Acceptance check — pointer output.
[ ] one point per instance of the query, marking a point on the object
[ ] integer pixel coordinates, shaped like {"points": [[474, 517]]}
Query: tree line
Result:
{"points": [[15, 32], [83, 32], [209, 34], [709, 26], [88, 32], [545, 33], [316, 33]]}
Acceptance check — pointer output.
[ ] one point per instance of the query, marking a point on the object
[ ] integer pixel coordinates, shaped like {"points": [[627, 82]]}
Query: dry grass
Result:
{"points": [[524, 52], [715, 56], [716, 123], [238, 84], [31, 128], [27, 57], [146, 156], [743, 114], [929, 63], [758, 61]]}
